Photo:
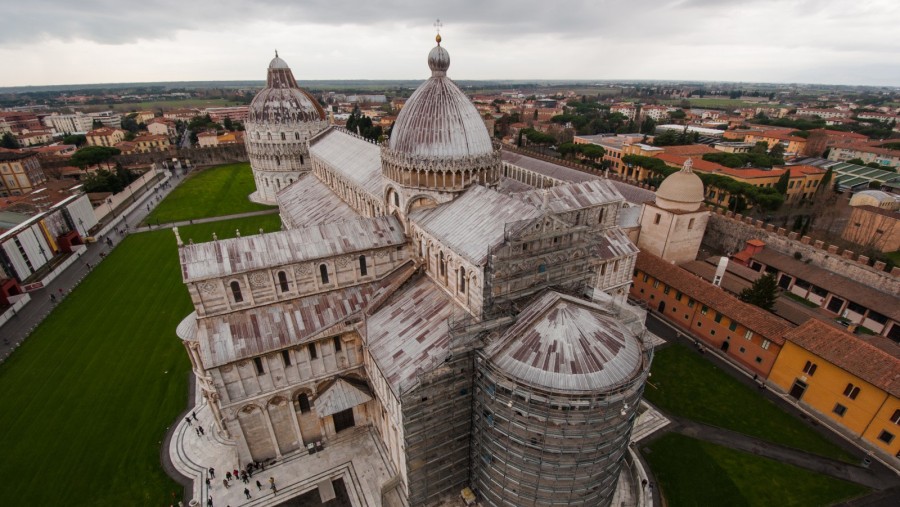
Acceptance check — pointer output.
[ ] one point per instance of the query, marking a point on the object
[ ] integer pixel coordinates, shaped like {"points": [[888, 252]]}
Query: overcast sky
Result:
{"points": [[98, 41]]}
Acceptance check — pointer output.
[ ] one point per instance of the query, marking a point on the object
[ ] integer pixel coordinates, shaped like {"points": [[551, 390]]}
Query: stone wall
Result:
{"points": [[729, 233], [213, 155]]}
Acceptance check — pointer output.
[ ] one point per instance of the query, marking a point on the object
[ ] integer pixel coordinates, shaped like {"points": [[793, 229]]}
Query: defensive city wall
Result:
{"points": [[729, 232]]}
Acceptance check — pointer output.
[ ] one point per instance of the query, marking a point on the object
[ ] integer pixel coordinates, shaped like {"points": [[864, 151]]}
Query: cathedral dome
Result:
{"points": [[438, 120], [681, 191], [282, 101]]}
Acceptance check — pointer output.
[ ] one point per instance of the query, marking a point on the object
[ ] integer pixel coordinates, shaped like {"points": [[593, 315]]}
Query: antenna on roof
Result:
{"points": [[276, 53]]}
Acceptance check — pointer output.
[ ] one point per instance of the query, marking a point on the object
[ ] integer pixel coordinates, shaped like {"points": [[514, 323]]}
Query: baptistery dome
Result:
{"points": [[439, 143], [281, 119]]}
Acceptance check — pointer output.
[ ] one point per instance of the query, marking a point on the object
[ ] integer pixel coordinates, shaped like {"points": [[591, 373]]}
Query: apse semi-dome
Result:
{"points": [[682, 190], [439, 141], [281, 119]]}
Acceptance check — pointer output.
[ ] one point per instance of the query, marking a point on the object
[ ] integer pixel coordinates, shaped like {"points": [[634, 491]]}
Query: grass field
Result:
{"points": [[687, 385], [694, 473], [715, 103], [213, 192], [86, 400]]}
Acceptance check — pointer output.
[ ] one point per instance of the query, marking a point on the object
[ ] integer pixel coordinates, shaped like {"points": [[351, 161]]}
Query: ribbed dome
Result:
{"points": [[438, 120], [282, 101], [681, 191]]}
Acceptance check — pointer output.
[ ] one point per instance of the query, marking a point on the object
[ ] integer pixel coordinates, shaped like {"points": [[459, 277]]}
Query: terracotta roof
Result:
{"points": [[690, 150], [832, 282], [752, 317], [838, 133], [854, 355]]}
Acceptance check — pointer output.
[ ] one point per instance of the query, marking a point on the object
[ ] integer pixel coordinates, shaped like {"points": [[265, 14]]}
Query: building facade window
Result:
{"points": [[839, 409], [323, 273], [461, 285], [851, 391], [337, 343], [765, 344], [236, 292], [259, 365], [810, 368], [286, 357], [718, 318], [748, 335], [886, 436], [313, 353], [657, 219], [896, 417], [283, 281], [363, 270]]}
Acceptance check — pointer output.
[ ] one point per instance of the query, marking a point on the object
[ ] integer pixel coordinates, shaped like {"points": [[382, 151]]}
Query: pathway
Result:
{"points": [[182, 223]]}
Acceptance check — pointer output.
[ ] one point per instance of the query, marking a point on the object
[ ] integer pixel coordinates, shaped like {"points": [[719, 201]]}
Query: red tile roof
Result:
{"points": [[689, 149], [752, 317], [854, 355]]}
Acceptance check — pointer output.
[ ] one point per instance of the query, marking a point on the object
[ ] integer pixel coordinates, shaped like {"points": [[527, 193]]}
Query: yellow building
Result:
{"points": [[19, 172], [142, 117], [151, 142], [846, 380], [793, 145], [105, 136]]}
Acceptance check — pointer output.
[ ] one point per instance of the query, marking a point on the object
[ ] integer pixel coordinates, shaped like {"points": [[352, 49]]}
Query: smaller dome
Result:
{"points": [[438, 60], [278, 63], [681, 191]]}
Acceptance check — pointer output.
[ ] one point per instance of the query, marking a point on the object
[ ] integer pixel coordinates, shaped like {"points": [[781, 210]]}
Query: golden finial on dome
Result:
{"points": [[437, 26]]}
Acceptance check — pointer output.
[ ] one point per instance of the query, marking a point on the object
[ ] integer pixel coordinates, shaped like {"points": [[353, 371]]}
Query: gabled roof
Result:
{"points": [[854, 355], [355, 159], [264, 329], [308, 202], [475, 222], [410, 334], [263, 251], [563, 198], [565, 344], [340, 396], [752, 317]]}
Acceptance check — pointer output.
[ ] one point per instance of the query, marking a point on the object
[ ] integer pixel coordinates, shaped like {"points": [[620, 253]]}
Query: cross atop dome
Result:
{"points": [[437, 27]]}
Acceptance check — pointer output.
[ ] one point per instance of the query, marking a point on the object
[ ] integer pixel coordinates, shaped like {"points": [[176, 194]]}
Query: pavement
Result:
{"points": [[182, 223], [17, 329]]}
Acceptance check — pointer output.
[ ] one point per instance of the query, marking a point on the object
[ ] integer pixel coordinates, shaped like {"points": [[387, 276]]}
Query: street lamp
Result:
{"points": [[81, 223]]}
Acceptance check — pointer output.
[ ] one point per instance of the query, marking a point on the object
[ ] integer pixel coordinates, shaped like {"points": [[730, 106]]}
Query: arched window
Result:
{"points": [[270, 136], [362, 266], [323, 272], [303, 399], [301, 159], [283, 137], [396, 199], [282, 281], [267, 182], [236, 292], [278, 183], [296, 136], [600, 220], [442, 264], [462, 280]]}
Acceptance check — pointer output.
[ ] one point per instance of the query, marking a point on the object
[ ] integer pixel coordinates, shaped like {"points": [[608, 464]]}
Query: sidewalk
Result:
{"points": [[18, 328]]}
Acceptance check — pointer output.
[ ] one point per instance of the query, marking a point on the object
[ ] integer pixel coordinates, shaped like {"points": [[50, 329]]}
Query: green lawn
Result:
{"points": [[692, 473], [218, 191], [717, 103], [689, 386], [86, 400]]}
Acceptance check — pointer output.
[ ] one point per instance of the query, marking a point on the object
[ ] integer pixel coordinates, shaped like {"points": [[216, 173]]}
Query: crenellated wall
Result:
{"points": [[729, 232]]}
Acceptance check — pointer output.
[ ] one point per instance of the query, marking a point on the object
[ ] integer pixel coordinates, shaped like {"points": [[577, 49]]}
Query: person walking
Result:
{"points": [[228, 476], [225, 483], [194, 415], [202, 431], [212, 472], [247, 493], [274, 489], [272, 481], [209, 502], [207, 483], [258, 486], [197, 431], [188, 419]]}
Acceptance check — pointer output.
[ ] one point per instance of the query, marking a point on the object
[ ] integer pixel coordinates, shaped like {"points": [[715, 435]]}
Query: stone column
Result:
{"points": [[296, 424], [271, 429]]}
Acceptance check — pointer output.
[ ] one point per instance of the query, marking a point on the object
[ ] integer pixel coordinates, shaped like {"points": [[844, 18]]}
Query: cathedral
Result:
{"points": [[469, 309]]}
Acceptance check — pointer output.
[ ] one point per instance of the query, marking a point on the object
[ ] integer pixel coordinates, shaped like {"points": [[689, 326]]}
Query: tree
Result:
{"points": [[228, 124], [77, 139], [782, 184], [762, 293], [9, 142], [93, 155], [777, 154], [826, 179]]}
